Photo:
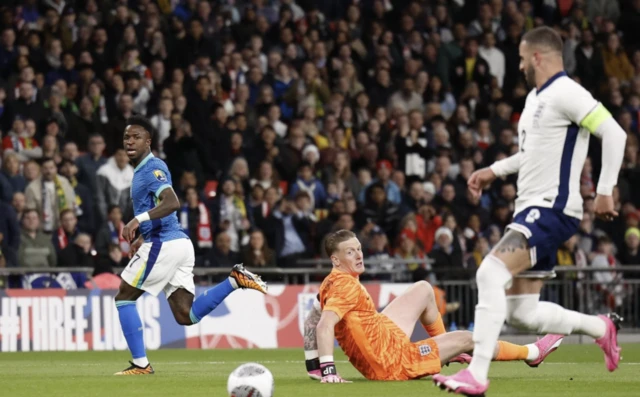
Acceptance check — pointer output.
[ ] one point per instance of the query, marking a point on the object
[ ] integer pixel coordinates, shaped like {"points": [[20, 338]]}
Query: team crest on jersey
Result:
{"points": [[160, 176], [424, 350], [538, 114]]}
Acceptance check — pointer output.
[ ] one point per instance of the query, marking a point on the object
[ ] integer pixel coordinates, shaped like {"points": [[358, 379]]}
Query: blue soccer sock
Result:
{"points": [[133, 331], [210, 299]]}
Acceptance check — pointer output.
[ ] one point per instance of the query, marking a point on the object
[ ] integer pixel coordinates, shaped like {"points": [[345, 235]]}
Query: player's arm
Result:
{"points": [[341, 299], [585, 111], [325, 334], [483, 177], [507, 166], [311, 357], [167, 205], [602, 124]]}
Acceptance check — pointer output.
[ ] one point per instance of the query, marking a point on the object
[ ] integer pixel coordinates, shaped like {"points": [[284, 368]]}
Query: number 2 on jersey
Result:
{"points": [[524, 136]]}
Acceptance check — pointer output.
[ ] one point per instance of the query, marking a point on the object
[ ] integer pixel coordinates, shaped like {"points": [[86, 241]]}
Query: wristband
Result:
{"points": [[143, 217], [328, 369], [313, 364]]}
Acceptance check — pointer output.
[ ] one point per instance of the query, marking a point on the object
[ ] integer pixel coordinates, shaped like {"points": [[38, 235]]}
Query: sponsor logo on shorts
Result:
{"points": [[424, 350]]}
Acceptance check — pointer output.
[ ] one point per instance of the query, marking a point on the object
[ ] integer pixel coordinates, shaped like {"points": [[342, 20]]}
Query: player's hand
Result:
{"points": [[135, 246], [129, 231], [479, 180], [605, 208]]}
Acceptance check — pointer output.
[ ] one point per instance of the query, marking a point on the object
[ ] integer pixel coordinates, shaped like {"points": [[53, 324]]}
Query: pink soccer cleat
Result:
{"points": [[609, 342], [547, 345], [316, 374], [461, 383], [463, 358]]}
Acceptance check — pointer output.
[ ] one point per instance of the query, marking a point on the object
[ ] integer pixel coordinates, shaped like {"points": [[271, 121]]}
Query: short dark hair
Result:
{"points": [[544, 36], [46, 160], [333, 240], [143, 122], [66, 211]]}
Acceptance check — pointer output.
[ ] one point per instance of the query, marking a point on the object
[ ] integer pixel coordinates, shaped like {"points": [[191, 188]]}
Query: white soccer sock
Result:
{"points": [[534, 352], [525, 311], [492, 278], [141, 362], [233, 282]]}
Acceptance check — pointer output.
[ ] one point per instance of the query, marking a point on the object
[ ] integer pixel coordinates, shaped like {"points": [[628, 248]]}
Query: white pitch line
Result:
{"points": [[237, 362]]}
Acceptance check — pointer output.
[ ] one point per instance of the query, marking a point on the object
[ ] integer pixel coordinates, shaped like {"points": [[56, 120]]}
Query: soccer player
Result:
{"points": [[378, 344], [553, 132], [164, 256]]}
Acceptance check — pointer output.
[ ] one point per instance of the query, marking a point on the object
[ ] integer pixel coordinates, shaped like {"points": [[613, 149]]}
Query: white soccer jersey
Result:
{"points": [[553, 146]]}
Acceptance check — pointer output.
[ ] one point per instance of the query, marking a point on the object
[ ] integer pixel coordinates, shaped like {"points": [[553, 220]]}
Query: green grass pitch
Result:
{"points": [[573, 370]]}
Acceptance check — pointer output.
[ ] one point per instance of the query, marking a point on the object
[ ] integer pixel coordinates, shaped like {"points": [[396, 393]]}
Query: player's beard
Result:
{"points": [[530, 76]]}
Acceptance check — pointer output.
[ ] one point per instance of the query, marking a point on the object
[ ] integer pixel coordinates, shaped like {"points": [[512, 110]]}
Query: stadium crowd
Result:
{"points": [[282, 120]]}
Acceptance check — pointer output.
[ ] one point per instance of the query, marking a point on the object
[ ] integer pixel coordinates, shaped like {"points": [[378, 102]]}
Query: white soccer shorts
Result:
{"points": [[164, 266]]}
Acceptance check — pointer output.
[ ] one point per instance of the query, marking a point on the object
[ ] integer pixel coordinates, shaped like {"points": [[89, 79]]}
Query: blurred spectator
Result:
{"points": [[36, 248], [589, 61], [20, 140], [113, 184], [293, 233], [103, 276], [446, 257], [616, 62], [306, 182], [67, 232], [263, 214], [378, 249], [196, 220], [89, 163], [77, 252], [392, 190], [49, 194], [408, 249], [10, 232], [111, 233], [84, 206], [229, 214], [608, 281], [630, 253], [379, 210], [494, 57], [257, 253], [11, 171], [222, 255]]}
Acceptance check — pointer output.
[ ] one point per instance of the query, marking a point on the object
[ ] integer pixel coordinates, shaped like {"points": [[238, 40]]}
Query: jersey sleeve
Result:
{"points": [[342, 297], [581, 108], [158, 178]]}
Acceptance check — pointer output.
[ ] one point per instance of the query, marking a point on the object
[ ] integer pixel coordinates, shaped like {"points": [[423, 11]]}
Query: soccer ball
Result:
{"points": [[250, 380]]}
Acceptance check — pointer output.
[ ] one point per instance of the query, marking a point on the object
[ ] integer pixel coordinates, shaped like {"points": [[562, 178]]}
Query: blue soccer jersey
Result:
{"points": [[150, 178]]}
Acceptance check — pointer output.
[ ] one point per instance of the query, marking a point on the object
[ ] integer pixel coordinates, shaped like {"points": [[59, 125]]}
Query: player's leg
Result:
{"points": [[132, 326], [526, 311], [131, 288], [510, 256], [455, 343], [180, 289], [418, 302]]}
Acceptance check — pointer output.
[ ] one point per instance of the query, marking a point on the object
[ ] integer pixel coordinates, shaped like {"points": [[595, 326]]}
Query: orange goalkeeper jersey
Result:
{"points": [[375, 345]]}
